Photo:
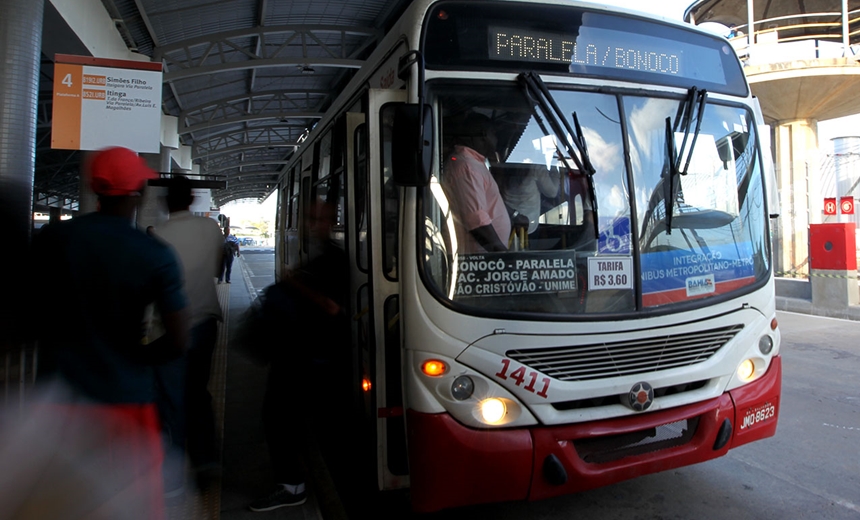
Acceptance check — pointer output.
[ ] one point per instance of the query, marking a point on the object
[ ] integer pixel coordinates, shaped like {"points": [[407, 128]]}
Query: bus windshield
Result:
{"points": [[571, 205]]}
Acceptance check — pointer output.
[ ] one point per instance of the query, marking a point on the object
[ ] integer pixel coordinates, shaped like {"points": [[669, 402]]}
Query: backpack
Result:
{"points": [[230, 248]]}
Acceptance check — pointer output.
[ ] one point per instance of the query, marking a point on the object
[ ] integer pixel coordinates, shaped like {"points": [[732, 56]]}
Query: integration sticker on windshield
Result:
{"points": [[520, 272], [679, 275]]}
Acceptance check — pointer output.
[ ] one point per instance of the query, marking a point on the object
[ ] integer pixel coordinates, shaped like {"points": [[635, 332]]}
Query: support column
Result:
{"points": [[21, 48], [751, 22], [846, 44], [797, 162]]}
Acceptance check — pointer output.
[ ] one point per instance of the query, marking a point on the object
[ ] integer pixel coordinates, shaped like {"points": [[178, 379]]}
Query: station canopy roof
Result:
{"points": [[781, 12], [246, 78]]}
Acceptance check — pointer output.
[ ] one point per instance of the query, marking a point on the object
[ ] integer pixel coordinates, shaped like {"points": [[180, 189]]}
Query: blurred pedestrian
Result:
{"points": [[231, 250], [105, 423], [310, 305], [184, 400]]}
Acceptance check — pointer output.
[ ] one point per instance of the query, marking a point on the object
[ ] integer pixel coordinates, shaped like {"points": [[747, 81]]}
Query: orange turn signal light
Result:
{"points": [[434, 367], [773, 324], [366, 385]]}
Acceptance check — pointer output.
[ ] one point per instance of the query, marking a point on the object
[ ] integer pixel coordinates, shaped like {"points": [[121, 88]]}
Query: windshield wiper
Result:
{"points": [[573, 140], [669, 179], [695, 103]]}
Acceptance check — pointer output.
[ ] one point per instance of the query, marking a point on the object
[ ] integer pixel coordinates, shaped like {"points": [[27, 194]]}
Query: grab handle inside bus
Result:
{"points": [[412, 158]]}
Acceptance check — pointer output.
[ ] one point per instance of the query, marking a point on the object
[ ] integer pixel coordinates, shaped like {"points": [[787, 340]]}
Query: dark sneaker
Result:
{"points": [[277, 499]]}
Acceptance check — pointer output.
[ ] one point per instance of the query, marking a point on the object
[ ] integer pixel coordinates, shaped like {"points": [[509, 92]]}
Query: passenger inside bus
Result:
{"points": [[550, 205], [481, 219], [523, 193]]}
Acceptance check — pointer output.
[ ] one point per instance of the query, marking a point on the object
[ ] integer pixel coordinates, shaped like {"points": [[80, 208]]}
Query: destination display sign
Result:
{"points": [[565, 40], [608, 49], [515, 272]]}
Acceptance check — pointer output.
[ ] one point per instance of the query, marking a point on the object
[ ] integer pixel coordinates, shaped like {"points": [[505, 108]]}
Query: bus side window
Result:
{"points": [[361, 204], [390, 197]]}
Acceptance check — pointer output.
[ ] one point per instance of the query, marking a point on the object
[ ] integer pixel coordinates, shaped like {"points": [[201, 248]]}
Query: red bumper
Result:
{"points": [[452, 466]]}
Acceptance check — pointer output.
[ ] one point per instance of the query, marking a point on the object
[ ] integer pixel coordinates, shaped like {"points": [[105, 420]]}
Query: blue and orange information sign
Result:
{"points": [[100, 103]]}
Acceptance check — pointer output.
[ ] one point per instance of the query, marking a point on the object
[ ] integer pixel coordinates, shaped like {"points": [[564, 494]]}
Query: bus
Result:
{"points": [[625, 326]]}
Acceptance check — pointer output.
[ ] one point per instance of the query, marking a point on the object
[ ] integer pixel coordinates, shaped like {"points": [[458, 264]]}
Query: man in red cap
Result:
{"points": [[108, 273]]}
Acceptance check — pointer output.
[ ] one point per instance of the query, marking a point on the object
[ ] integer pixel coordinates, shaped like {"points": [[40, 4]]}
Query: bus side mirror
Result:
{"points": [[412, 145]]}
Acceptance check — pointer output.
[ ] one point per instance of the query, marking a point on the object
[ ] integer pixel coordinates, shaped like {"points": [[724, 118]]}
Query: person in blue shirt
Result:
{"points": [[97, 349], [231, 250]]}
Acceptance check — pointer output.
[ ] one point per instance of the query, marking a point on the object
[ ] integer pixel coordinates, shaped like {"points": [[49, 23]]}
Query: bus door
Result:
{"points": [[379, 317], [354, 128], [287, 241]]}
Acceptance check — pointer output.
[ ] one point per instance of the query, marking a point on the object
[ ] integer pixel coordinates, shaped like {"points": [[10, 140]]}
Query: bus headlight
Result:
{"points": [[493, 410], [765, 344], [462, 388], [746, 370]]}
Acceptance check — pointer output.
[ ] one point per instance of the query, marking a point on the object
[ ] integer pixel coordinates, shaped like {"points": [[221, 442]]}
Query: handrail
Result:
{"points": [[822, 32], [801, 15]]}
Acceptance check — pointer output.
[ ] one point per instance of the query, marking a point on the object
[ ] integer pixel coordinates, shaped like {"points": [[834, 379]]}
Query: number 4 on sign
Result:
{"points": [[67, 80]]}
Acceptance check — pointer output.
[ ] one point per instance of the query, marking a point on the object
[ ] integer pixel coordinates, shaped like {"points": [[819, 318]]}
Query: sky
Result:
{"points": [[239, 211], [827, 130], [668, 8]]}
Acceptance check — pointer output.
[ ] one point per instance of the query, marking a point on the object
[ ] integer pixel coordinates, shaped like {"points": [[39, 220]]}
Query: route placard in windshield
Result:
{"points": [[494, 274]]}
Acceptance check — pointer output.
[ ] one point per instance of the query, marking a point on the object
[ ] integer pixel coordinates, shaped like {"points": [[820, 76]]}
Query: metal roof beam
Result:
{"points": [[261, 63], [237, 191], [245, 165], [249, 117], [252, 97], [243, 159], [229, 50], [196, 154], [270, 103], [276, 136], [255, 183], [257, 192], [212, 40]]}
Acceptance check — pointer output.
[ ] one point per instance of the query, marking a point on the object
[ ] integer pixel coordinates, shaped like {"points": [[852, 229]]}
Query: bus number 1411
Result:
{"points": [[521, 375]]}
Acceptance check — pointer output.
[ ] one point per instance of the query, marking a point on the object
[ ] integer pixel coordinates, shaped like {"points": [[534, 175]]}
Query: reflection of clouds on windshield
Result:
{"points": [[604, 156], [647, 126], [607, 158], [615, 202]]}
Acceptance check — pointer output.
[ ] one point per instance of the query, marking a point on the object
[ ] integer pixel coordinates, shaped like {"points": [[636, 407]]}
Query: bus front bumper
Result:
{"points": [[452, 465]]}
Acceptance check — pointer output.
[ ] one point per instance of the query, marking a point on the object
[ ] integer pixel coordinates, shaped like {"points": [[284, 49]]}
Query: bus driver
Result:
{"points": [[482, 221]]}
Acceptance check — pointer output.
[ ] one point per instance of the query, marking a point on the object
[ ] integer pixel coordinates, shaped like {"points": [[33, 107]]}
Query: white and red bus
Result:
{"points": [[627, 328]]}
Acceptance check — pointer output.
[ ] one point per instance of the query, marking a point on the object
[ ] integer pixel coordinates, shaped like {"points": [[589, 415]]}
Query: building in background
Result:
{"points": [[801, 60]]}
